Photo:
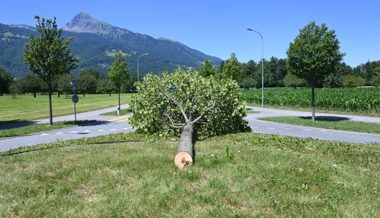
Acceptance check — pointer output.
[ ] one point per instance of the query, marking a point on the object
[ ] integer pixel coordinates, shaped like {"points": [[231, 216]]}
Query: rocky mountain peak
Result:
{"points": [[84, 23]]}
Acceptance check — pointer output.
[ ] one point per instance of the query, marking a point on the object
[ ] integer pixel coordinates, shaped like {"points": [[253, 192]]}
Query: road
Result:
{"points": [[110, 125], [266, 127]]}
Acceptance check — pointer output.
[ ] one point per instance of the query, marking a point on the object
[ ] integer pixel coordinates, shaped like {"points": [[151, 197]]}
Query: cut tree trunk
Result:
{"points": [[185, 150]]}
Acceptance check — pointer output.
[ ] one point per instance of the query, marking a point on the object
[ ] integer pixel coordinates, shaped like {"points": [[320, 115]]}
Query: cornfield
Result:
{"points": [[365, 100]]}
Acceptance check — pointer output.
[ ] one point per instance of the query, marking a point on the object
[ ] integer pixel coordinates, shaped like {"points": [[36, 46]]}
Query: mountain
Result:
{"points": [[95, 43]]}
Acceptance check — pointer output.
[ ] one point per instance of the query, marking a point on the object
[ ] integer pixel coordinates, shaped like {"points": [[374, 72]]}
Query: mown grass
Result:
{"points": [[25, 107], [328, 123], [114, 113], [240, 175], [37, 128]]}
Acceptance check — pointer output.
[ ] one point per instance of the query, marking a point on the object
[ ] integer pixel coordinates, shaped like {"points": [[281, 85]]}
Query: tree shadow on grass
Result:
{"points": [[327, 118], [10, 124]]}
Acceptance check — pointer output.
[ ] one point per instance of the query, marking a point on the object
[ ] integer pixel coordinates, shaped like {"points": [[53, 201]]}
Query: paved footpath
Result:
{"points": [[119, 124], [267, 127]]}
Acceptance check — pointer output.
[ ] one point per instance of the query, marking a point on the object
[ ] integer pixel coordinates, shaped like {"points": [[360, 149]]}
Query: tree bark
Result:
{"points": [[185, 150], [50, 105], [313, 100]]}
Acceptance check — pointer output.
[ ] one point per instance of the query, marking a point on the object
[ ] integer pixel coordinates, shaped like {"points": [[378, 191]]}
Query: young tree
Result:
{"points": [[118, 72], [313, 55], [207, 69], [5, 81], [186, 103], [48, 55], [232, 68]]}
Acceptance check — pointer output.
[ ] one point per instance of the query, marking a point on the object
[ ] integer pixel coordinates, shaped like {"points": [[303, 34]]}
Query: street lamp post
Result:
{"points": [[138, 65], [262, 64]]}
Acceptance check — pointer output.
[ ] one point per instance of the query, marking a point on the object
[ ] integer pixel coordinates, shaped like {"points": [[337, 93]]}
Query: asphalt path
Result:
{"points": [[119, 124]]}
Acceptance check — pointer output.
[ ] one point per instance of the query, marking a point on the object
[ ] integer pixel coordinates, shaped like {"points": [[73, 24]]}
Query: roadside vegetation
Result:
{"points": [[238, 175], [25, 107], [329, 123], [28, 128]]}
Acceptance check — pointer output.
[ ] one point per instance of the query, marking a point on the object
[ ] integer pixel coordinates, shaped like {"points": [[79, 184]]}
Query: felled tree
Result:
{"points": [[188, 104]]}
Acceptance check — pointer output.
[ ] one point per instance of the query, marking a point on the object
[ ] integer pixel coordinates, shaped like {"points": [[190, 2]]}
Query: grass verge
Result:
{"points": [[36, 128], [239, 175], [319, 110], [114, 113], [329, 123]]}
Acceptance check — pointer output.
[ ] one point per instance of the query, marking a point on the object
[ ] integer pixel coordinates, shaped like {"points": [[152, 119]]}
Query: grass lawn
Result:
{"points": [[239, 175], [114, 113], [319, 110], [25, 107], [36, 128], [322, 122]]}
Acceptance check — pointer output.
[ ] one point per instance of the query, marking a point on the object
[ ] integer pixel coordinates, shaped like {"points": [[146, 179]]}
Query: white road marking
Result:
{"points": [[74, 132], [126, 128], [113, 129], [323, 130], [44, 134], [100, 130], [87, 130], [58, 133]]}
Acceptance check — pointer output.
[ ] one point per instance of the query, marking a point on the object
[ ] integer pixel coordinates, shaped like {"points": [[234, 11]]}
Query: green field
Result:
{"points": [[353, 100], [321, 122], [25, 107], [239, 175]]}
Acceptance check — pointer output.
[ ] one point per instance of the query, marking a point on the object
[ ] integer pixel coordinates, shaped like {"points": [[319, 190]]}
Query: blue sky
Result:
{"points": [[217, 27]]}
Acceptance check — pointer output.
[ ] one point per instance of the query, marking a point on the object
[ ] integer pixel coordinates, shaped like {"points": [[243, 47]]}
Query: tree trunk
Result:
{"points": [[84, 94], [313, 100], [110, 94], [34, 94], [185, 150], [50, 105], [119, 100], [59, 94]]}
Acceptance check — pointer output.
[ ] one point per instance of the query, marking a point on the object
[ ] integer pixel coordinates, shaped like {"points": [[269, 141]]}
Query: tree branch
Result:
{"points": [[175, 125], [177, 103], [204, 112]]}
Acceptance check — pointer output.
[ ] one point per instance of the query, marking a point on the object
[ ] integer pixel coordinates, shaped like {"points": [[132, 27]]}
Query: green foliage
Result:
{"points": [[87, 83], [232, 68], [314, 53], [291, 80], [5, 81], [63, 84], [31, 83], [207, 69], [48, 54], [365, 100], [118, 73], [353, 81], [90, 71], [105, 85], [157, 106]]}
